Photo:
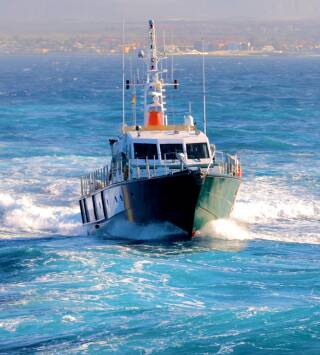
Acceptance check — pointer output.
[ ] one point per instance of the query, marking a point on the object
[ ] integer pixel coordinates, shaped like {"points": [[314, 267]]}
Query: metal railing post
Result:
{"points": [[137, 169], [165, 163], [129, 169], [147, 168]]}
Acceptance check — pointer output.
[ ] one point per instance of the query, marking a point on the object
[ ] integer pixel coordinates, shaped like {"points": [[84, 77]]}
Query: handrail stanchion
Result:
{"points": [[129, 169], [82, 185], [165, 163], [154, 166], [137, 169], [147, 168], [107, 175]]}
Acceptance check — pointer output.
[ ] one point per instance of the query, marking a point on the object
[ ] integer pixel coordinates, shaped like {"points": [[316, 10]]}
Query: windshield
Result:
{"points": [[169, 151], [197, 151], [145, 150]]}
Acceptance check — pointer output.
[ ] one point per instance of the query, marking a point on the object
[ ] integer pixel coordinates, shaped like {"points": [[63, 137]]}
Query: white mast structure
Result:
{"points": [[123, 79], [154, 110], [204, 91]]}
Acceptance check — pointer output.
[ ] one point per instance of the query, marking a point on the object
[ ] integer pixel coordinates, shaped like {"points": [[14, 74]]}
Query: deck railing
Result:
{"points": [[224, 163], [95, 180], [220, 163]]}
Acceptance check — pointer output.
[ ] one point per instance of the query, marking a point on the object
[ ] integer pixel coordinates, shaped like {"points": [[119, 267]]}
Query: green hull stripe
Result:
{"points": [[216, 199]]}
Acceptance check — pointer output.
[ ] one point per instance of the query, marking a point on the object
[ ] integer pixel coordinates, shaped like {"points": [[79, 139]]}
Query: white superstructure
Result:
{"points": [[157, 142]]}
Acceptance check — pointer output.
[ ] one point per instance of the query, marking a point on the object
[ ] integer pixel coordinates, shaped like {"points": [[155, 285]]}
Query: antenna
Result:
{"points": [[133, 86], [165, 56], [204, 91], [123, 79], [134, 99], [172, 67]]}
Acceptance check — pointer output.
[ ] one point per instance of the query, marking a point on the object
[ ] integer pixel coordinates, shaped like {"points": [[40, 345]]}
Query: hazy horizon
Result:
{"points": [[42, 14]]}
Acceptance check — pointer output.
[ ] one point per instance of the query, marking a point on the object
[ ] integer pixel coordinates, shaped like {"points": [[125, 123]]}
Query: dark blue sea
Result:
{"points": [[251, 287]]}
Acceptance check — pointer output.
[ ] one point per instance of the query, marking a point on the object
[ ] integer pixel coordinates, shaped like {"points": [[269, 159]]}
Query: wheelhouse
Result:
{"points": [[170, 147]]}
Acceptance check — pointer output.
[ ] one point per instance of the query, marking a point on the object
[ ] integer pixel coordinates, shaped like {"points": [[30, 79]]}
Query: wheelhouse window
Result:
{"points": [[197, 151], [145, 150], [169, 151]]}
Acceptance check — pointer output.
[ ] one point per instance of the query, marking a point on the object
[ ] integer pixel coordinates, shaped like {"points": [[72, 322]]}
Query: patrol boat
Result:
{"points": [[160, 172]]}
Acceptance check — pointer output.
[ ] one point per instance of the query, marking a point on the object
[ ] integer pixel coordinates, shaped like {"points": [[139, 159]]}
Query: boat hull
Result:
{"points": [[216, 199], [182, 198]]}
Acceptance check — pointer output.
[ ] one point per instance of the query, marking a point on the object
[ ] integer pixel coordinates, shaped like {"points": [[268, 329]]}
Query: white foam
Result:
{"points": [[23, 215], [68, 318], [148, 232], [266, 199], [37, 199], [227, 229], [138, 266]]}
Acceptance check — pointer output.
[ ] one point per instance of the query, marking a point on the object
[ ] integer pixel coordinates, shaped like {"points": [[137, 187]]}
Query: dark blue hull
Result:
{"points": [[169, 198]]}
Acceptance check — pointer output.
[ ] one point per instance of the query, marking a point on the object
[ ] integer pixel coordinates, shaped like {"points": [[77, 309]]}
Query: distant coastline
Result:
{"points": [[221, 39], [217, 54]]}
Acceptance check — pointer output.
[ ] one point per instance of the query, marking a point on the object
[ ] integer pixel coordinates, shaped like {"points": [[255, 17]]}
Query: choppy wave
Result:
{"points": [[264, 200], [24, 215], [36, 199]]}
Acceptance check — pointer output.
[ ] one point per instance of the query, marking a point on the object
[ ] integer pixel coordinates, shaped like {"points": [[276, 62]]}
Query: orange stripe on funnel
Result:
{"points": [[155, 118]]}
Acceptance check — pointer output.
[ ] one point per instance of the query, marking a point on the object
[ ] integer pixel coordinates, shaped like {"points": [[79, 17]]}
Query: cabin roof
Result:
{"points": [[172, 134]]}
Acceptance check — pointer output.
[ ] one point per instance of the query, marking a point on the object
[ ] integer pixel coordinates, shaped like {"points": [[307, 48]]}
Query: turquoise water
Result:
{"points": [[251, 287]]}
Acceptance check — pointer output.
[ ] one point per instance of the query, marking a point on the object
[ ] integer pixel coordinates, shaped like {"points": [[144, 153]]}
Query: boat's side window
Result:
{"points": [[197, 151], [169, 151], [145, 150]]}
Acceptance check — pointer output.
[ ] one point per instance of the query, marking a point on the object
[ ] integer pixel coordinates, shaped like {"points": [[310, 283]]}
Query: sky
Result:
{"points": [[21, 13]]}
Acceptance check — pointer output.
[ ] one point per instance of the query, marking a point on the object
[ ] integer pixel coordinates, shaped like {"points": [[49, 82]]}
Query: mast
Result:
{"points": [[204, 92], [153, 93], [123, 79]]}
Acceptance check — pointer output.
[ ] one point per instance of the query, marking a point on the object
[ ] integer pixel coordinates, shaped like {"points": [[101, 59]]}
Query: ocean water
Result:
{"points": [[252, 286]]}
